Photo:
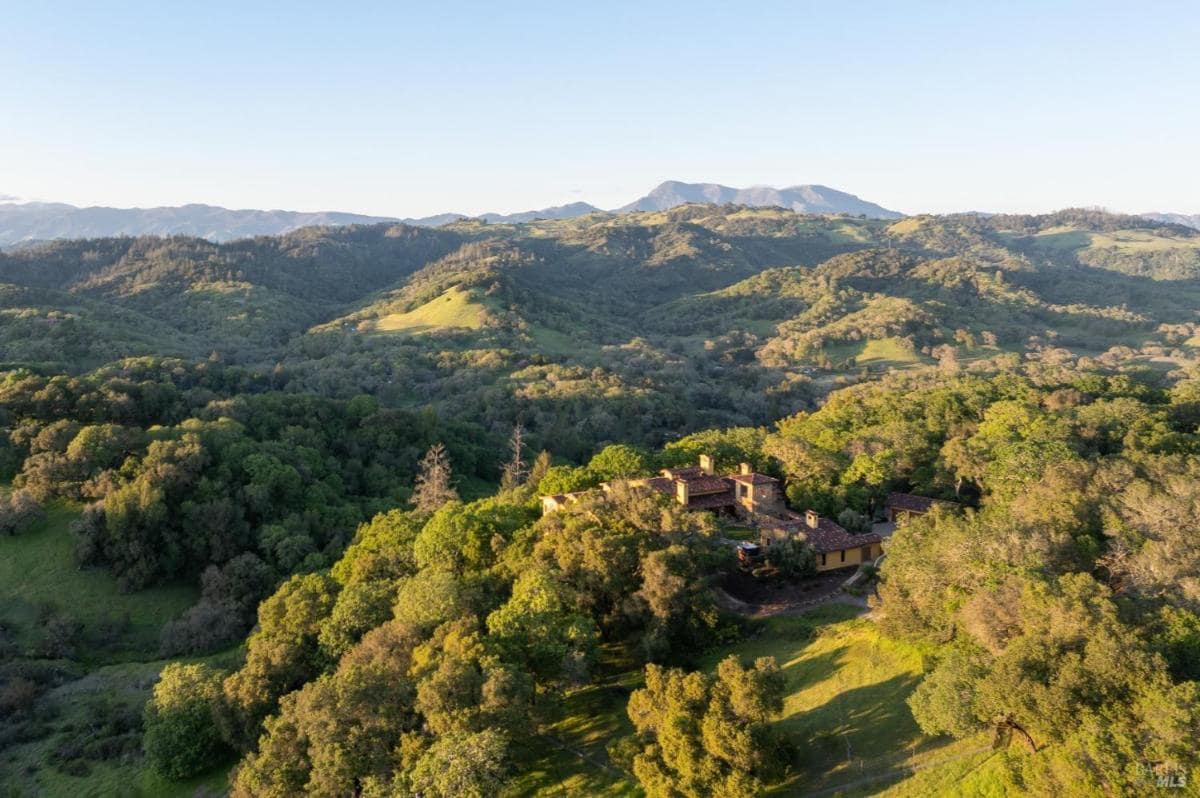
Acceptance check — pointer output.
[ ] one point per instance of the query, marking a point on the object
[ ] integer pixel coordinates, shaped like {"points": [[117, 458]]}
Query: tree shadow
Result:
{"points": [[865, 730]]}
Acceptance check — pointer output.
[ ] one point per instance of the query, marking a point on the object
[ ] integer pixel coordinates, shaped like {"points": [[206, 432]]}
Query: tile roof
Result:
{"points": [[829, 535], [913, 503], [661, 484], [711, 501], [752, 479], [702, 484]]}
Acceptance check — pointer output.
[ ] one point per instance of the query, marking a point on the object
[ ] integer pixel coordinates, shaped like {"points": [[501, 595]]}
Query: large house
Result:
{"points": [[558, 501], [834, 546], [751, 496], [745, 493], [699, 487]]}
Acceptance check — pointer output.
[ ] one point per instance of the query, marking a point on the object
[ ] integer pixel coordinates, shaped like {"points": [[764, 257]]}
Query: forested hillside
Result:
{"points": [[295, 480], [600, 328]]}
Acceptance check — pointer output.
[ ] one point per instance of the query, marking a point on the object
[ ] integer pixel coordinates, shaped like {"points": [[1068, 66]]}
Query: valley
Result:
{"points": [[280, 498]]}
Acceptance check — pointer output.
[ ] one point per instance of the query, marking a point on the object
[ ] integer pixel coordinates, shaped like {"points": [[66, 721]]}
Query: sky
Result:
{"points": [[408, 109]]}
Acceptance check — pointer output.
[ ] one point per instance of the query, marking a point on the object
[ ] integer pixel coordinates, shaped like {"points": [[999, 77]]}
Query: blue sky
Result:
{"points": [[409, 109]]}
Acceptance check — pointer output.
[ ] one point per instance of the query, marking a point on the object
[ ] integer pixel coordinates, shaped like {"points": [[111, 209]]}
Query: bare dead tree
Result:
{"points": [[514, 472], [433, 487]]}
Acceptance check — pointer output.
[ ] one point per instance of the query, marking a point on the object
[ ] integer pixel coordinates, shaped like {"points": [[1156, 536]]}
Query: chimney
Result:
{"points": [[706, 464], [812, 519], [681, 491], [744, 469]]}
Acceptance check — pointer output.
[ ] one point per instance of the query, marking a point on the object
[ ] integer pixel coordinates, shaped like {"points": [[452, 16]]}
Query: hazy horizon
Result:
{"points": [[13, 199], [410, 112]]}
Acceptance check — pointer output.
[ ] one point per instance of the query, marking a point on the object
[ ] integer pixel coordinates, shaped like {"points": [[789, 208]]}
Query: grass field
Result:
{"points": [[455, 308], [906, 226], [876, 353], [1065, 239], [74, 711], [39, 578], [968, 775], [568, 757], [845, 710]]}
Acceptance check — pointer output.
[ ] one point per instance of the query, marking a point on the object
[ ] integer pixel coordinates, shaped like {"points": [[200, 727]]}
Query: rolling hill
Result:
{"points": [[279, 390], [648, 322], [32, 222], [38, 221]]}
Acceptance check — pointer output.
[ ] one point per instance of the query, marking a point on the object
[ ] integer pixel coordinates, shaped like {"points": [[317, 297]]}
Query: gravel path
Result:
{"points": [[787, 607]]}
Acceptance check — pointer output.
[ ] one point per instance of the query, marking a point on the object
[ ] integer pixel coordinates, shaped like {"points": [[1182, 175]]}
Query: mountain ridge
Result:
{"points": [[22, 223], [808, 198], [1186, 219], [32, 222]]}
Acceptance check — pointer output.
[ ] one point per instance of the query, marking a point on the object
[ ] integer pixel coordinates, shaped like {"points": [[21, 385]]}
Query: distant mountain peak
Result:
{"points": [[42, 221], [1187, 220], [568, 211], [811, 198]]}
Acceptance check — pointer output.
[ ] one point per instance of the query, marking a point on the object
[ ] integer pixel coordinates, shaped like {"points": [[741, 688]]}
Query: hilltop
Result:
{"points": [[205, 423], [670, 321], [802, 199]]}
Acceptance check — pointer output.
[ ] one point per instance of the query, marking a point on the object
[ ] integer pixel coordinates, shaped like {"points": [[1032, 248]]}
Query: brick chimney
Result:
{"points": [[706, 464], [812, 519], [681, 491], [744, 469]]}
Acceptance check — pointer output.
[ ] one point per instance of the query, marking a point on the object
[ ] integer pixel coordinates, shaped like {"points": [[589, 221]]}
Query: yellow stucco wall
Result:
{"points": [[833, 559]]}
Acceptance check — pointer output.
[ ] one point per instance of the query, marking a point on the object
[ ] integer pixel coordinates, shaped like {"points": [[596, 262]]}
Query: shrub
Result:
{"points": [[181, 738]]}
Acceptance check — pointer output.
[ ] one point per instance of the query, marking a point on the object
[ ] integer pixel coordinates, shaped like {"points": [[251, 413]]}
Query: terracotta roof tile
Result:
{"points": [[752, 479], [829, 535], [661, 484], [703, 484], [709, 501], [914, 504]]}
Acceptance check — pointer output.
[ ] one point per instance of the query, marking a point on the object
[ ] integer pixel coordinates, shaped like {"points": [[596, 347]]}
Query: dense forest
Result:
{"points": [[329, 446]]}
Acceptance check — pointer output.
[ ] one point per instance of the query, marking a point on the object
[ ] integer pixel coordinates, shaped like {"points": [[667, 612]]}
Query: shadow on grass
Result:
{"points": [[842, 738]]}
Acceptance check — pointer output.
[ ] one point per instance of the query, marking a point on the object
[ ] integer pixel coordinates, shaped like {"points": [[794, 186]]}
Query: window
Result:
{"points": [[822, 558], [843, 553]]}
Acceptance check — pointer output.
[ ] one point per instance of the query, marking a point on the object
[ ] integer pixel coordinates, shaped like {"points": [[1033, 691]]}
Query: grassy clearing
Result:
{"points": [[38, 577], [455, 308], [877, 353], [906, 226], [1059, 240], [73, 712], [845, 709], [847, 688], [849, 232], [568, 757], [977, 775], [554, 342]]}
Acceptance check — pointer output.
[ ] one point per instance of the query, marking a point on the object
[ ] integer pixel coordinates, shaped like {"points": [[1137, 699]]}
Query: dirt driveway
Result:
{"points": [[753, 598]]}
